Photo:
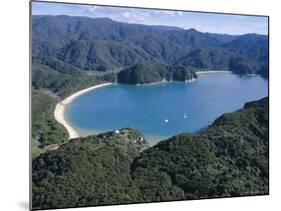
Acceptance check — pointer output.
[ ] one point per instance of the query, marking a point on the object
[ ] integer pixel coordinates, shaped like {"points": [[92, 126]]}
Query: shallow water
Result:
{"points": [[162, 110]]}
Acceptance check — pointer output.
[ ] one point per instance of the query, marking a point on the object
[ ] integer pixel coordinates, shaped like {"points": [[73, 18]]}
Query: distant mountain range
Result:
{"points": [[228, 158], [70, 45]]}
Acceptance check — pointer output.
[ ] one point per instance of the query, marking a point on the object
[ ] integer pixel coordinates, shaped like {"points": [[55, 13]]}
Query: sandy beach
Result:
{"points": [[212, 71], [60, 108]]}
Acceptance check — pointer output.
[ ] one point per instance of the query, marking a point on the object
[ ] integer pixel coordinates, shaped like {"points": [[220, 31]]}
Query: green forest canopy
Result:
{"points": [[230, 158]]}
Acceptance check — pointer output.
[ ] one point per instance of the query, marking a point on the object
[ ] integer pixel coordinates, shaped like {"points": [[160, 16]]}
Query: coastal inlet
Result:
{"points": [[160, 110]]}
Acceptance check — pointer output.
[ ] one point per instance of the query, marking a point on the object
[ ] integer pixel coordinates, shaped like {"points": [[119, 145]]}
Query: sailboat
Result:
{"points": [[185, 116]]}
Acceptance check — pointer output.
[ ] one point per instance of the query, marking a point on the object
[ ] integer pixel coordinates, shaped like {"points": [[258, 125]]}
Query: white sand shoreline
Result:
{"points": [[164, 82], [60, 109], [212, 71]]}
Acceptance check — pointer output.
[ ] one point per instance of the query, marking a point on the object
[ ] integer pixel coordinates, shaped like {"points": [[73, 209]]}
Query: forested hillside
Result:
{"points": [[230, 158], [143, 73], [46, 131], [71, 45]]}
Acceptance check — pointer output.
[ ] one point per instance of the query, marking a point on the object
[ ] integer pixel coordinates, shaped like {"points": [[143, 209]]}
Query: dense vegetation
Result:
{"points": [[72, 45], [65, 84], [229, 158], [86, 171], [142, 73], [45, 129]]}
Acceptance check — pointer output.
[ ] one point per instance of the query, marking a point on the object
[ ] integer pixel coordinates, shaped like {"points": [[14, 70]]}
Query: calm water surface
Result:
{"points": [[162, 110]]}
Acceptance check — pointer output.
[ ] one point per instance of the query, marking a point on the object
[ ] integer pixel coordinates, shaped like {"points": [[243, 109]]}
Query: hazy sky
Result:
{"points": [[204, 22]]}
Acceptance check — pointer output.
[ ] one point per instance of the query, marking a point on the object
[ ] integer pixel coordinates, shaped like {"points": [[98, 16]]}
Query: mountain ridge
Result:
{"points": [[103, 44]]}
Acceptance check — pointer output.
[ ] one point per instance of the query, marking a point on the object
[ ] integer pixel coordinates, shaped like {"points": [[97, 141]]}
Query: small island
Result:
{"points": [[143, 73], [216, 130]]}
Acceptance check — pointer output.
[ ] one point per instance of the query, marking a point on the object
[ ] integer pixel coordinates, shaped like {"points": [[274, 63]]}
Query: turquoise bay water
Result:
{"points": [[163, 110]]}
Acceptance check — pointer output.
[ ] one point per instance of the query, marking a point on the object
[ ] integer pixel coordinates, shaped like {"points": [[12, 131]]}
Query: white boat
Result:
{"points": [[166, 120], [185, 116]]}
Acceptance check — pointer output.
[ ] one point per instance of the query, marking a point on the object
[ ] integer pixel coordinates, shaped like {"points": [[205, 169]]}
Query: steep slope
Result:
{"points": [[45, 129], [206, 58], [251, 45], [103, 44], [230, 158], [142, 73], [87, 171]]}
